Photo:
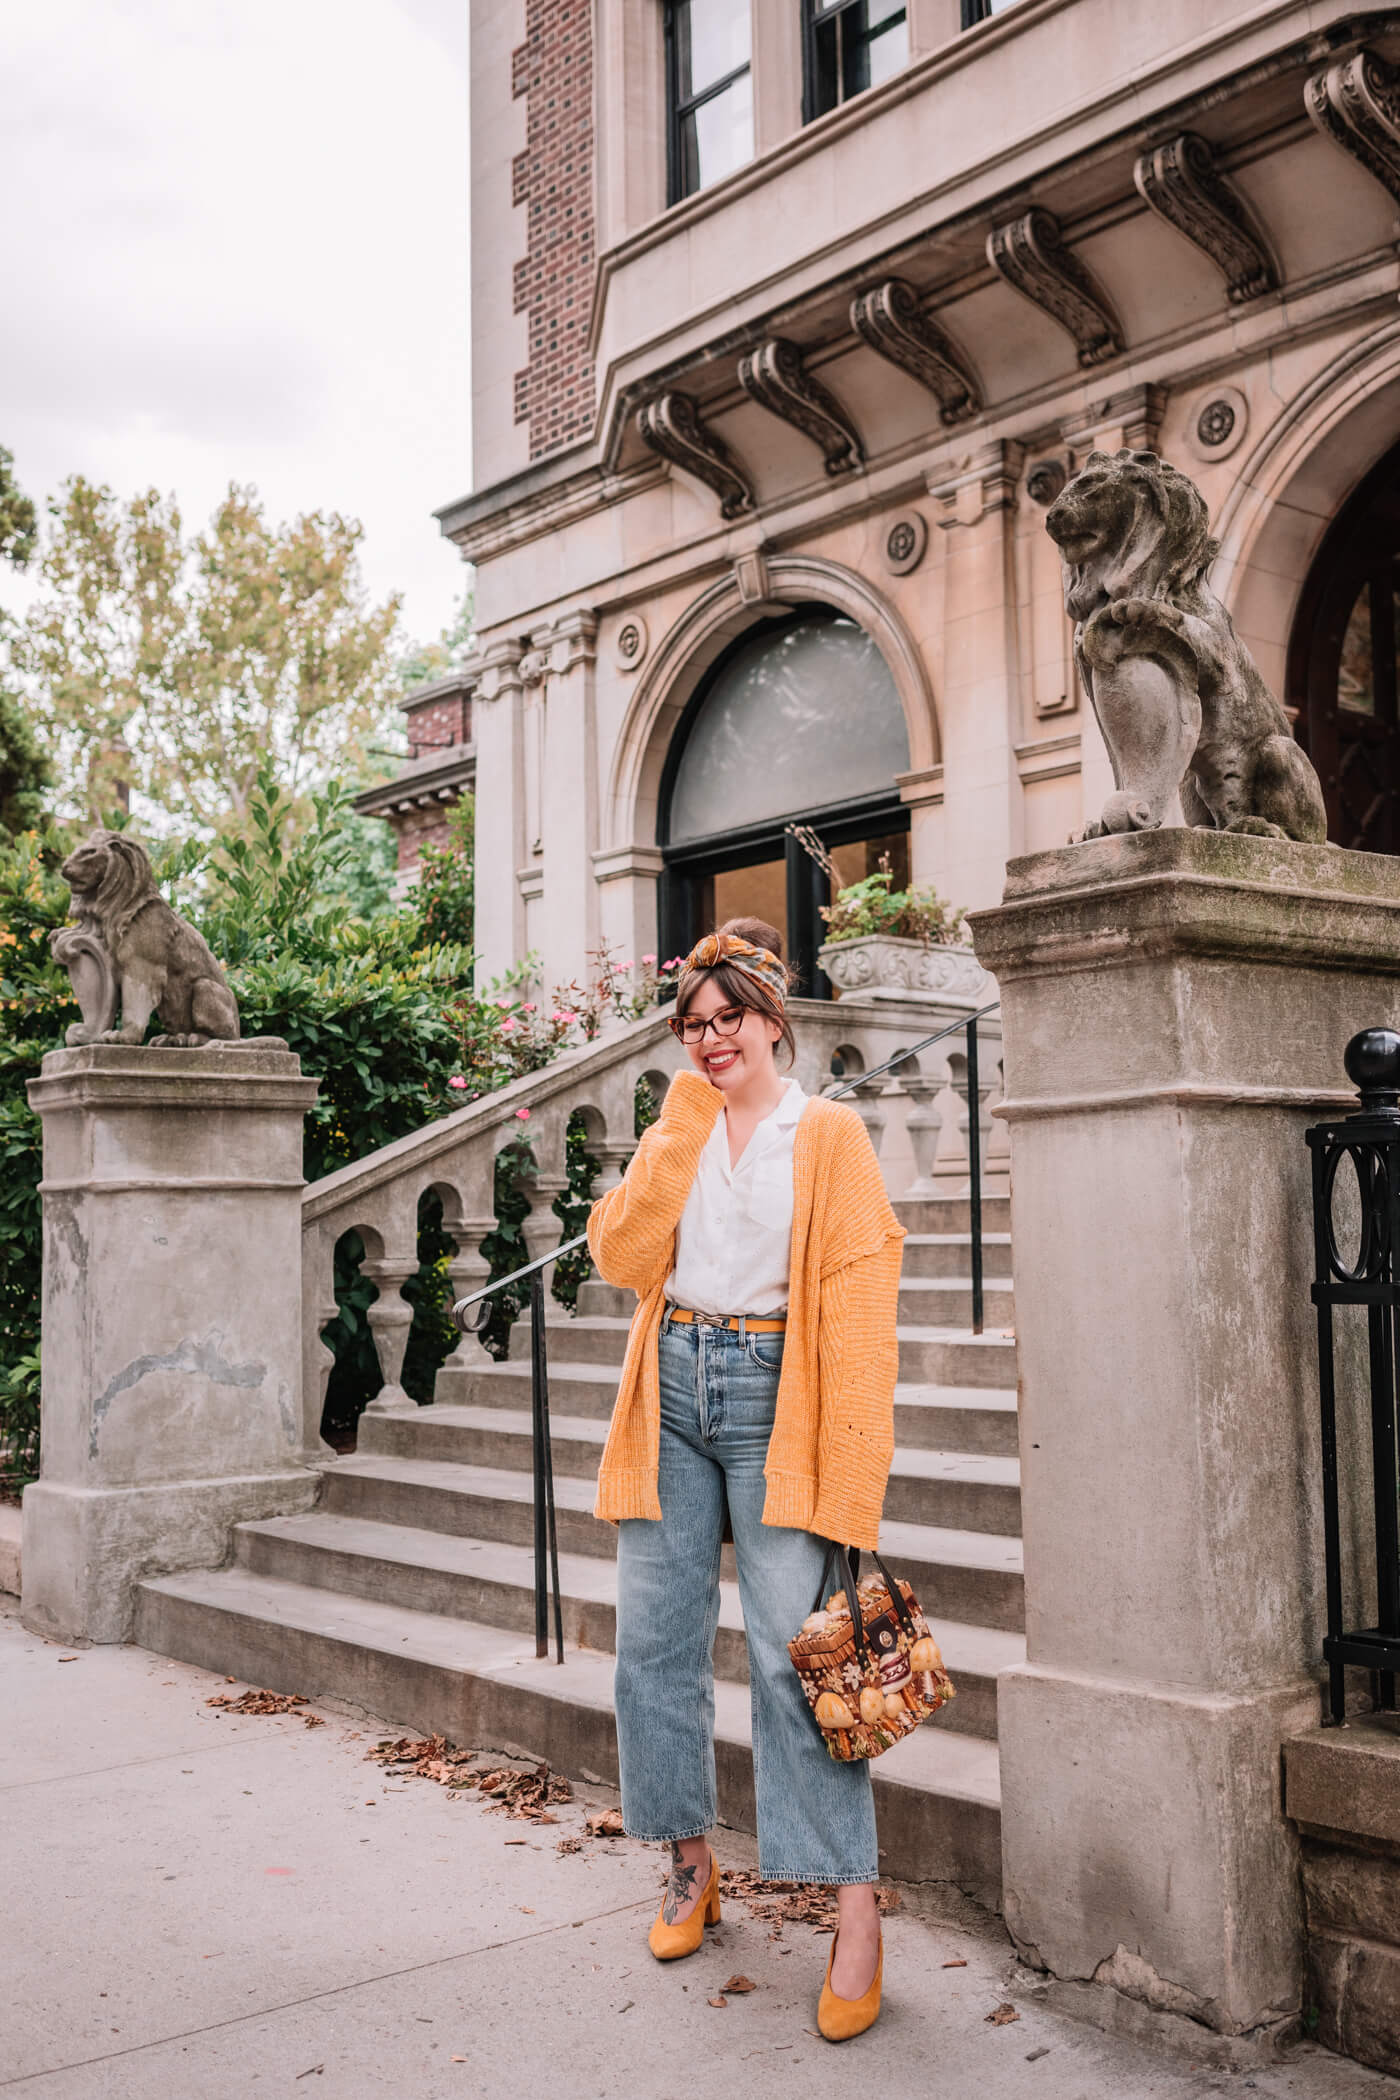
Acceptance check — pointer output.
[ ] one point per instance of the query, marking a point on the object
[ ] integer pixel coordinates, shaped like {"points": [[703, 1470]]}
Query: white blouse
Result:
{"points": [[735, 1233]]}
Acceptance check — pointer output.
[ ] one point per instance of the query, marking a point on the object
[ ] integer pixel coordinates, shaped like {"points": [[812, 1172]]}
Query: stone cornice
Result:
{"points": [[439, 779]]}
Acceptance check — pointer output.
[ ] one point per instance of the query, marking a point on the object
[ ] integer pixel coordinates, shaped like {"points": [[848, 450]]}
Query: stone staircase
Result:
{"points": [[409, 1588]]}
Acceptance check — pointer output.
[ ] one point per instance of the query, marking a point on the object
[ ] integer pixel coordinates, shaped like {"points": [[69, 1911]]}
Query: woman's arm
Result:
{"points": [[858, 1352], [630, 1227]]}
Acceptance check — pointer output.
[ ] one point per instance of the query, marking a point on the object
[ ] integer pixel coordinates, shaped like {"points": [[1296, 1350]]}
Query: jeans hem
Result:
{"points": [[820, 1880], [666, 1837]]}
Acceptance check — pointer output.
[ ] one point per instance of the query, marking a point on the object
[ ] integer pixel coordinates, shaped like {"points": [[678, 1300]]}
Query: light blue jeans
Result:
{"points": [[816, 1818]]}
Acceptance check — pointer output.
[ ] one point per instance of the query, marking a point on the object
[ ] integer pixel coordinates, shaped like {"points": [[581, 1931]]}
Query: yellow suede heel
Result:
{"points": [[670, 1942], [840, 2018]]}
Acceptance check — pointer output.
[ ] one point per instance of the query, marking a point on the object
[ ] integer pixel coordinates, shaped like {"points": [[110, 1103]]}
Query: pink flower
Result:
{"points": [[503, 1002], [673, 962], [560, 1015], [509, 1023], [457, 1080], [626, 965], [523, 1114], [528, 1007], [648, 958]]}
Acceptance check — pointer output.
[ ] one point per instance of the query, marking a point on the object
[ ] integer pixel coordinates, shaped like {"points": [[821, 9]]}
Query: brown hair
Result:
{"points": [[738, 988]]}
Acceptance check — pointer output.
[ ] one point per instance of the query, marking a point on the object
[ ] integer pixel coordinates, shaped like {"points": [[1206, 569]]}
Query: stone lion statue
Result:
{"points": [[129, 949], [1180, 700]]}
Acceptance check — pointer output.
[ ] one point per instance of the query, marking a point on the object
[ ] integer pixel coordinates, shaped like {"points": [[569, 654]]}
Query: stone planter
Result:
{"points": [[890, 966]]}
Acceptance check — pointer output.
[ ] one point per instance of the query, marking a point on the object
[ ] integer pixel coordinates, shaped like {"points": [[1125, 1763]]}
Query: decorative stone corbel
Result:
{"points": [[671, 427], [499, 675], [1029, 253], [893, 323], [1129, 420], [573, 640], [1356, 104], [1181, 183], [775, 376], [985, 482]]}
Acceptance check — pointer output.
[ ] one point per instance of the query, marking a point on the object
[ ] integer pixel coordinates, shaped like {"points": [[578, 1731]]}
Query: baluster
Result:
{"points": [[997, 1158], [922, 1123], [951, 1163], [612, 1155], [865, 1099], [390, 1318]]}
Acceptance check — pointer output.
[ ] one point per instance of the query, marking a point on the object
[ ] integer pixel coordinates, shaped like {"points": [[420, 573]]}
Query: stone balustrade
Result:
{"points": [[915, 1117]]}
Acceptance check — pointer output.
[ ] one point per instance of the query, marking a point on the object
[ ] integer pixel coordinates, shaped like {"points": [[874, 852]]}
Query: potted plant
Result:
{"points": [[896, 944]]}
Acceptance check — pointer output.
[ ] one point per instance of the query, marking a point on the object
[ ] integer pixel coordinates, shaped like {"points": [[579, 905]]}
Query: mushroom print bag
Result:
{"points": [[868, 1663]]}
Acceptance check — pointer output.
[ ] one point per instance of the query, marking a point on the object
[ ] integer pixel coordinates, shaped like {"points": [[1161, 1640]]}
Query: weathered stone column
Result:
{"points": [[172, 1320], [1175, 1005]]}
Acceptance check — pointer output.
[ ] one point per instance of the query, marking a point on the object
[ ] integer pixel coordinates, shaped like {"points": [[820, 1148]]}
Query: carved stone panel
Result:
{"points": [[895, 326], [776, 377], [1182, 184], [671, 427], [1029, 253], [1356, 104]]}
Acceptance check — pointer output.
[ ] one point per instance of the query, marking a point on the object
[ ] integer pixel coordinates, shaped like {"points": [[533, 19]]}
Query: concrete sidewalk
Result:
{"points": [[277, 1916]]}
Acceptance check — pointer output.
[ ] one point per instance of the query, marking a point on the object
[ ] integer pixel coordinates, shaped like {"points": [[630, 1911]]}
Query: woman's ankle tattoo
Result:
{"points": [[681, 1886]]}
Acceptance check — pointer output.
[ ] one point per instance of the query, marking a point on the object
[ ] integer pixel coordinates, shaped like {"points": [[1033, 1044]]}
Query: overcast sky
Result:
{"points": [[234, 247]]}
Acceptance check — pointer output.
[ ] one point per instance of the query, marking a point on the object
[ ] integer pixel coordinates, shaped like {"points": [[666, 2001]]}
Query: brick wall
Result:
{"points": [[417, 828], [439, 724], [553, 179]]}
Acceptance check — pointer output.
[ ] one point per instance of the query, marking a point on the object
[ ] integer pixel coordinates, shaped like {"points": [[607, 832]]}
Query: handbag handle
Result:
{"points": [[847, 1562]]}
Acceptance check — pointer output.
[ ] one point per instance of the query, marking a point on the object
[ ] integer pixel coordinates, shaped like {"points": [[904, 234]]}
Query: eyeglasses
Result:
{"points": [[689, 1028]]}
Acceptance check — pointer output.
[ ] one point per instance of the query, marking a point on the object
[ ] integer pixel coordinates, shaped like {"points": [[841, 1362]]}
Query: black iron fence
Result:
{"points": [[1356, 1237], [533, 1273]]}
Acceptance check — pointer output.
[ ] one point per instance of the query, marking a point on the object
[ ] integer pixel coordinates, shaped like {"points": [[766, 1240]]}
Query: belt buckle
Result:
{"points": [[712, 1319]]}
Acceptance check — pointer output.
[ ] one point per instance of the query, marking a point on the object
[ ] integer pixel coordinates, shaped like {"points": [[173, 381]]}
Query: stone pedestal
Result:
{"points": [[1175, 1005], [171, 1322]]}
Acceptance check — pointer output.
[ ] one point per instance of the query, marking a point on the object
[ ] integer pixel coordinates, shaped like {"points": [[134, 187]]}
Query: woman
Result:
{"points": [[758, 1387]]}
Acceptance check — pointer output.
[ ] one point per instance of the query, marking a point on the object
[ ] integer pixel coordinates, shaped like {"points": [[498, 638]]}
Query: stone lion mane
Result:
{"points": [[156, 961], [1179, 698]]}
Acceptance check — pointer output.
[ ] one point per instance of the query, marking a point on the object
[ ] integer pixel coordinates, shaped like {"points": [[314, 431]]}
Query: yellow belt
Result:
{"points": [[754, 1325]]}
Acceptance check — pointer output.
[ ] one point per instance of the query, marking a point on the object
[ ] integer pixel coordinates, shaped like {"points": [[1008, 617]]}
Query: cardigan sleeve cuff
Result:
{"points": [[627, 1491]]}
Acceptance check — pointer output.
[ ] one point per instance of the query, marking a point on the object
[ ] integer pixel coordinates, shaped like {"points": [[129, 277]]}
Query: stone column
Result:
{"points": [[498, 733], [172, 1405], [569, 802], [1175, 1005]]}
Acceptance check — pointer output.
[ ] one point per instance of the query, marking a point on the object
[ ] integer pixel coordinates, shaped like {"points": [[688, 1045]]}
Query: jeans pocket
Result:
{"points": [[765, 1350]]}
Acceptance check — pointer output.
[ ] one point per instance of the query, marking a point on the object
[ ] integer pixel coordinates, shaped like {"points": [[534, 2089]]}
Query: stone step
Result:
{"points": [[946, 1301], [967, 1491], [972, 1576], [941, 1214], [950, 1254], [937, 1793], [930, 1352], [930, 1417], [494, 1584]]}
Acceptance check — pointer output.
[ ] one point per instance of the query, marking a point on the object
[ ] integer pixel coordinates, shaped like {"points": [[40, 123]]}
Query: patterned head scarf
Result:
{"points": [[759, 963]]}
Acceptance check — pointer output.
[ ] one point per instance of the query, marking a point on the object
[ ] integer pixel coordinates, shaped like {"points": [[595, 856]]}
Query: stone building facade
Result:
{"points": [[441, 768], [789, 321]]}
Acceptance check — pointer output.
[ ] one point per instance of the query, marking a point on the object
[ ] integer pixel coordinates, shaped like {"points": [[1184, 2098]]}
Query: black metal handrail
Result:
{"points": [[1369, 1142], [546, 1532]]}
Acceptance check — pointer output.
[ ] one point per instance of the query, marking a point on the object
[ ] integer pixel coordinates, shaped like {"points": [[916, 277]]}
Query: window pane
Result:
{"points": [[862, 858], [759, 892], [1356, 682], [887, 53], [717, 137], [712, 39], [795, 720]]}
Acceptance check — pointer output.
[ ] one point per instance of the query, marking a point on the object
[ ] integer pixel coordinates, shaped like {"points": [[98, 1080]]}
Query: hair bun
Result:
{"points": [[756, 931]]}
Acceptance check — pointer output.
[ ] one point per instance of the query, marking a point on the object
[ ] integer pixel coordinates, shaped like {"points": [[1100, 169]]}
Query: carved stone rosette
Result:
{"points": [[1356, 104], [1182, 184], [1029, 254], [671, 427], [775, 376], [893, 323]]}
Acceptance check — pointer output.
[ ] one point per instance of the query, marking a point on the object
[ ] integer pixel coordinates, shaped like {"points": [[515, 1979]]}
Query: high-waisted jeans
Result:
{"points": [[816, 1818]]}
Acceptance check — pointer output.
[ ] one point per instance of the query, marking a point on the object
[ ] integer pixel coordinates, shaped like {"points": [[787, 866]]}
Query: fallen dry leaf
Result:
{"points": [[258, 1702], [605, 1823], [738, 1984], [458, 2059], [781, 1903], [959, 1964], [1003, 2016], [569, 1844], [525, 1795], [720, 2003]]}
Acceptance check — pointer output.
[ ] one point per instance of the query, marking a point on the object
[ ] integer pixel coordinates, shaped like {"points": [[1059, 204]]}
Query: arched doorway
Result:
{"points": [[1342, 665], [799, 720]]}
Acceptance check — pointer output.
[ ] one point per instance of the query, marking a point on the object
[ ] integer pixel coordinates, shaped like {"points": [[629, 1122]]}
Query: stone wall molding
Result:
{"points": [[1356, 103], [776, 377], [1030, 254], [703, 631], [671, 426], [985, 481], [891, 320], [1180, 182], [498, 670]]}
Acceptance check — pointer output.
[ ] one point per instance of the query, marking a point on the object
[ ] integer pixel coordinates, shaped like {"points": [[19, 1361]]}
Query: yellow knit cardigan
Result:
{"points": [[833, 1431]]}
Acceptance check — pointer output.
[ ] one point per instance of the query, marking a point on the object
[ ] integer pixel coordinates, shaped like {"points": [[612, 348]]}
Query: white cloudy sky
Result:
{"points": [[234, 247]]}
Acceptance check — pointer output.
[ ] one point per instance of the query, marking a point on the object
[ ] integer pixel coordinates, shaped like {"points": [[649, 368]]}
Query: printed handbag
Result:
{"points": [[868, 1663]]}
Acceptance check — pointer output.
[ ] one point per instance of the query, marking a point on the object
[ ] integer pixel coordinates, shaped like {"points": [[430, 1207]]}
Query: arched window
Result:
{"points": [[798, 721], [1342, 666]]}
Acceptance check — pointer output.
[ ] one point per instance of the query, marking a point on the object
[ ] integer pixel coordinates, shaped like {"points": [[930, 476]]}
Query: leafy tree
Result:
{"points": [[18, 523], [177, 665]]}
